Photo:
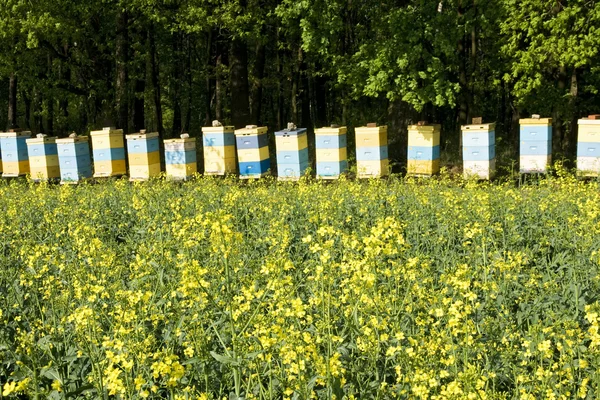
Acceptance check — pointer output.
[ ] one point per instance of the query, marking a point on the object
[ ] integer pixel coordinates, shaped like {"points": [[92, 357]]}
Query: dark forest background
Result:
{"points": [[176, 65]]}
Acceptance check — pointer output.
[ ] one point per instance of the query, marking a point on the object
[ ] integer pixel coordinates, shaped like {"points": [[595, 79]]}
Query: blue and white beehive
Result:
{"points": [[423, 155], [331, 151], [15, 158], [144, 155], [535, 148], [43, 158], [74, 158], [180, 157], [588, 146], [372, 151], [253, 151], [479, 150], [292, 152], [218, 144]]}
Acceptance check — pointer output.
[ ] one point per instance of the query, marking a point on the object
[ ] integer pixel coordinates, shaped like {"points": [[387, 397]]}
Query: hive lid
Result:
{"points": [[251, 130], [72, 139], [180, 140], [142, 135], [331, 130], [218, 129], [535, 120], [107, 131], [478, 127], [16, 133], [425, 127], [293, 131], [41, 139], [588, 121], [372, 128]]}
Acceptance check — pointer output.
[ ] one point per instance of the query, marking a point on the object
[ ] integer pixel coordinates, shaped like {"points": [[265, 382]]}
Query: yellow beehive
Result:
{"points": [[108, 150], [423, 156], [15, 159], [219, 149], [372, 151], [144, 155], [43, 158]]}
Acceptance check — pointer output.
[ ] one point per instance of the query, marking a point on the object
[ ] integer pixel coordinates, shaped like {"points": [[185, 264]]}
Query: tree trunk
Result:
{"points": [[558, 136], [122, 57], [139, 121], [280, 77], [463, 111], [295, 85], [209, 79], [305, 98], [219, 88], [50, 117], [259, 72], [238, 75], [571, 145], [154, 78], [188, 75], [320, 101], [12, 101], [176, 83], [27, 102]]}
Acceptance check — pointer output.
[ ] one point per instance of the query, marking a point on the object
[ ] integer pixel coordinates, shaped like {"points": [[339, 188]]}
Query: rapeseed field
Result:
{"points": [[377, 289]]}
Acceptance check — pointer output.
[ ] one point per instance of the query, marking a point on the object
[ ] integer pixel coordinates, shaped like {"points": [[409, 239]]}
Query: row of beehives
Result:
{"points": [[227, 151]]}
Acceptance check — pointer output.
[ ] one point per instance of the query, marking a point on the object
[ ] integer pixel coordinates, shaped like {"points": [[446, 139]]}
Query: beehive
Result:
{"points": [[180, 157], [15, 159], [588, 147], [535, 148], [144, 155], [331, 152], [43, 158], [109, 152], [74, 158], [423, 150], [253, 151], [292, 153], [372, 151], [219, 149], [479, 150]]}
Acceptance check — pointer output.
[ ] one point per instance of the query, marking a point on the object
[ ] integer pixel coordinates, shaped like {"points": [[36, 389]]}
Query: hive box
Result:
{"points": [[535, 148], [15, 159], [253, 151], [588, 147], [479, 150], [423, 156], [180, 158], [109, 152], [331, 152], [219, 150], [292, 153], [43, 158], [372, 152], [74, 159], [144, 155]]}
